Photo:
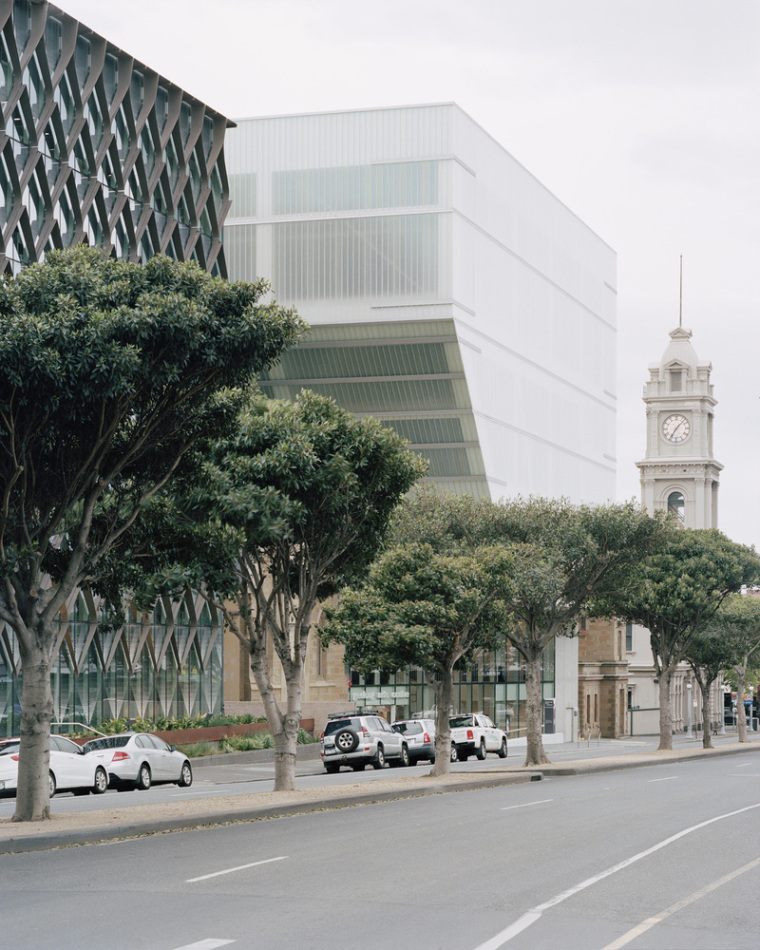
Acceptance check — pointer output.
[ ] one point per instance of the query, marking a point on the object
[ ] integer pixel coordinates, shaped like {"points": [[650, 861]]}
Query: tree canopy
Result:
{"points": [[736, 627], [675, 592], [421, 607], [112, 373], [293, 505]]}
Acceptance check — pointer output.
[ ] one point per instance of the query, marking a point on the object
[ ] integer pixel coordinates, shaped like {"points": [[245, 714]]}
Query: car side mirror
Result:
{"points": [[172, 748]]}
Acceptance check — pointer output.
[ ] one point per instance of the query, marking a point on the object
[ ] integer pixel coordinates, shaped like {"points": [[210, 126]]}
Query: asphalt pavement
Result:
{"points": [[312, 794]]}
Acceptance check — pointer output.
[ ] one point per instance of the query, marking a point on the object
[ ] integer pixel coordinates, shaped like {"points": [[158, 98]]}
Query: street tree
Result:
{"points": [[560, 555], [569, 554], [675, 593], [737, 626], [420, 607], [112, 372], [299, 498], [708, 654]]}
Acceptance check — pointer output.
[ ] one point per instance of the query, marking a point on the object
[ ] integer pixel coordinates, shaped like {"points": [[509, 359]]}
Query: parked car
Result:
{"points": [[476, 734], [357, 741], [70, 769], [139, 760], [420, 737]]}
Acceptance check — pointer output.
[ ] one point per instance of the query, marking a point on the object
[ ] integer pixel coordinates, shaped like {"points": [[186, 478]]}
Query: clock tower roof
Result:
{"points": [[680, 350]]}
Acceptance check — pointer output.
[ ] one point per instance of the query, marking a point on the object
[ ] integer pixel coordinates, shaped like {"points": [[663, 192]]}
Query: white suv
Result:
{"points": [[358, 740]]}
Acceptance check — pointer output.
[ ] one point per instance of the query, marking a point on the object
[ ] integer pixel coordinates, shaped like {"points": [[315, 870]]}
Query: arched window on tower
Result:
{"points": [[676, 380], [676, 506]]}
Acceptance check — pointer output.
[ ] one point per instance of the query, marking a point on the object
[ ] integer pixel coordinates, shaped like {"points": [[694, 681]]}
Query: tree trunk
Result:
{"points": [[444, 691], [33, 794], [534, 754], [741, 714], [666, 713], [284, 727], [286, 738], [707, 714]]}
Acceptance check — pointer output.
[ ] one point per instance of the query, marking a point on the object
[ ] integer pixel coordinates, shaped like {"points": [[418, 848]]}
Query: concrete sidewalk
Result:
{"points": [[113, 823]]}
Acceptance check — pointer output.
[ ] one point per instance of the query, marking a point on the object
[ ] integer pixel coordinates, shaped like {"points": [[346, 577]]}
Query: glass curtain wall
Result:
{"points": [[494, 684], [164, 664]]}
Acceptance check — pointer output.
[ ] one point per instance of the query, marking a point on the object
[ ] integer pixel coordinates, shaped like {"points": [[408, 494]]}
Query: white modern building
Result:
{"points": [[449, 294]]}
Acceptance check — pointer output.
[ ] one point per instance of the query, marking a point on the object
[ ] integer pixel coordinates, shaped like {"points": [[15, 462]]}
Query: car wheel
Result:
{"points": [[51, 779], [185, 776], [101, 782], [143, 778], [379, 761], [503, 749], [481, 753], [346, 740], [332, 768], [404, 757], [454, 754], [431, 760], [359, 766]]}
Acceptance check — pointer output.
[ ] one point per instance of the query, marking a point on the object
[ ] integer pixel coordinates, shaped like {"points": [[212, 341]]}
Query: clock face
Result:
{"points": [[676, 428]]}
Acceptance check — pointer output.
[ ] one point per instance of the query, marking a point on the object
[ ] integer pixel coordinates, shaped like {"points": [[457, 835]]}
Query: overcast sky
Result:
{"points": [[640, 115]]}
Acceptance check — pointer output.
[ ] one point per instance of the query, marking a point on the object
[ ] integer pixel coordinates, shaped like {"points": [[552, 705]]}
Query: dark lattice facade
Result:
{"points": [[97, 148]]}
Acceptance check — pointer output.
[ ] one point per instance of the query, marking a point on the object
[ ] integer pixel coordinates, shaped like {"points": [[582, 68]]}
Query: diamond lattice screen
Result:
{"points": [[96, 148]]}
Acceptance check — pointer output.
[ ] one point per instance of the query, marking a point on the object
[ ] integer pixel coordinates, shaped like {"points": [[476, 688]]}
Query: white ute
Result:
{"points": [[475, 734]]}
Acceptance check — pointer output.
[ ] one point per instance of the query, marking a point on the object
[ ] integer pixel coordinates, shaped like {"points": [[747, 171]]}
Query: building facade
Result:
{"points": [[450, 295], [98, 148]]}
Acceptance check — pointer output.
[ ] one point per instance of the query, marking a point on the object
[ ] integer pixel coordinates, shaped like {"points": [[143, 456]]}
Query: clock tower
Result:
{"points": [[679, 473]]}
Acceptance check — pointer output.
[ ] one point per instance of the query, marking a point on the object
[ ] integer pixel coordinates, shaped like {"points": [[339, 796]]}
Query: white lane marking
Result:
{"points": [[535, 912], [745, 765], [526, 804], [240, 867], [670, 778], [210, 944], [674, 908]]}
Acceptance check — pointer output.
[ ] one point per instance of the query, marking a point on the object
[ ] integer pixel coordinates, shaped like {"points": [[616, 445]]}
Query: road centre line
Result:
{"points": [[674, 908], [534, 914], [670, 778], [526, 804], [209, 944], [240, 867]]}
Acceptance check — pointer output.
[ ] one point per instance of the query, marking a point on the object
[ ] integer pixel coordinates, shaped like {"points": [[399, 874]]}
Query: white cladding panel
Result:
{"points": [[417, 213]]}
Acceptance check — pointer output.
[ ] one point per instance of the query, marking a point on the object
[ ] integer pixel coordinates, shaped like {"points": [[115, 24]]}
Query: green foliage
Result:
{"points": [[736, 625], [167, 724], [422, 608], [678, 591], [309, 485], [112, 371], [262, 740]]}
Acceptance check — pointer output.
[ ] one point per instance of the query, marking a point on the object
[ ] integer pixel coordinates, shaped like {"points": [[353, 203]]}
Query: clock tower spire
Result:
{"points": [[679, 473]]}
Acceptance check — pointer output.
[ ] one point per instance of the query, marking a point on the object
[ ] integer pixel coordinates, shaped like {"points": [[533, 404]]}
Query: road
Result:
{"points": [[240, 774], [661, 857]]}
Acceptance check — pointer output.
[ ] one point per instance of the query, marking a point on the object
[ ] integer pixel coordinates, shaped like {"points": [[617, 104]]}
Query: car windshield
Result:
{"points": [[408, 728], [107, 742], [9, 747], [457, 722], [335, 724]]}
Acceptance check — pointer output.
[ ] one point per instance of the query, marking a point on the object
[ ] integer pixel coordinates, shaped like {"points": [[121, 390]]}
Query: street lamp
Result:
{"points": [[688, 702]]}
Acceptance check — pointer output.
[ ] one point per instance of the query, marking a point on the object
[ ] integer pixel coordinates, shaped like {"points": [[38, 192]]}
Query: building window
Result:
{"points": [[676, 506], [676, 380], [629, 637]]}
